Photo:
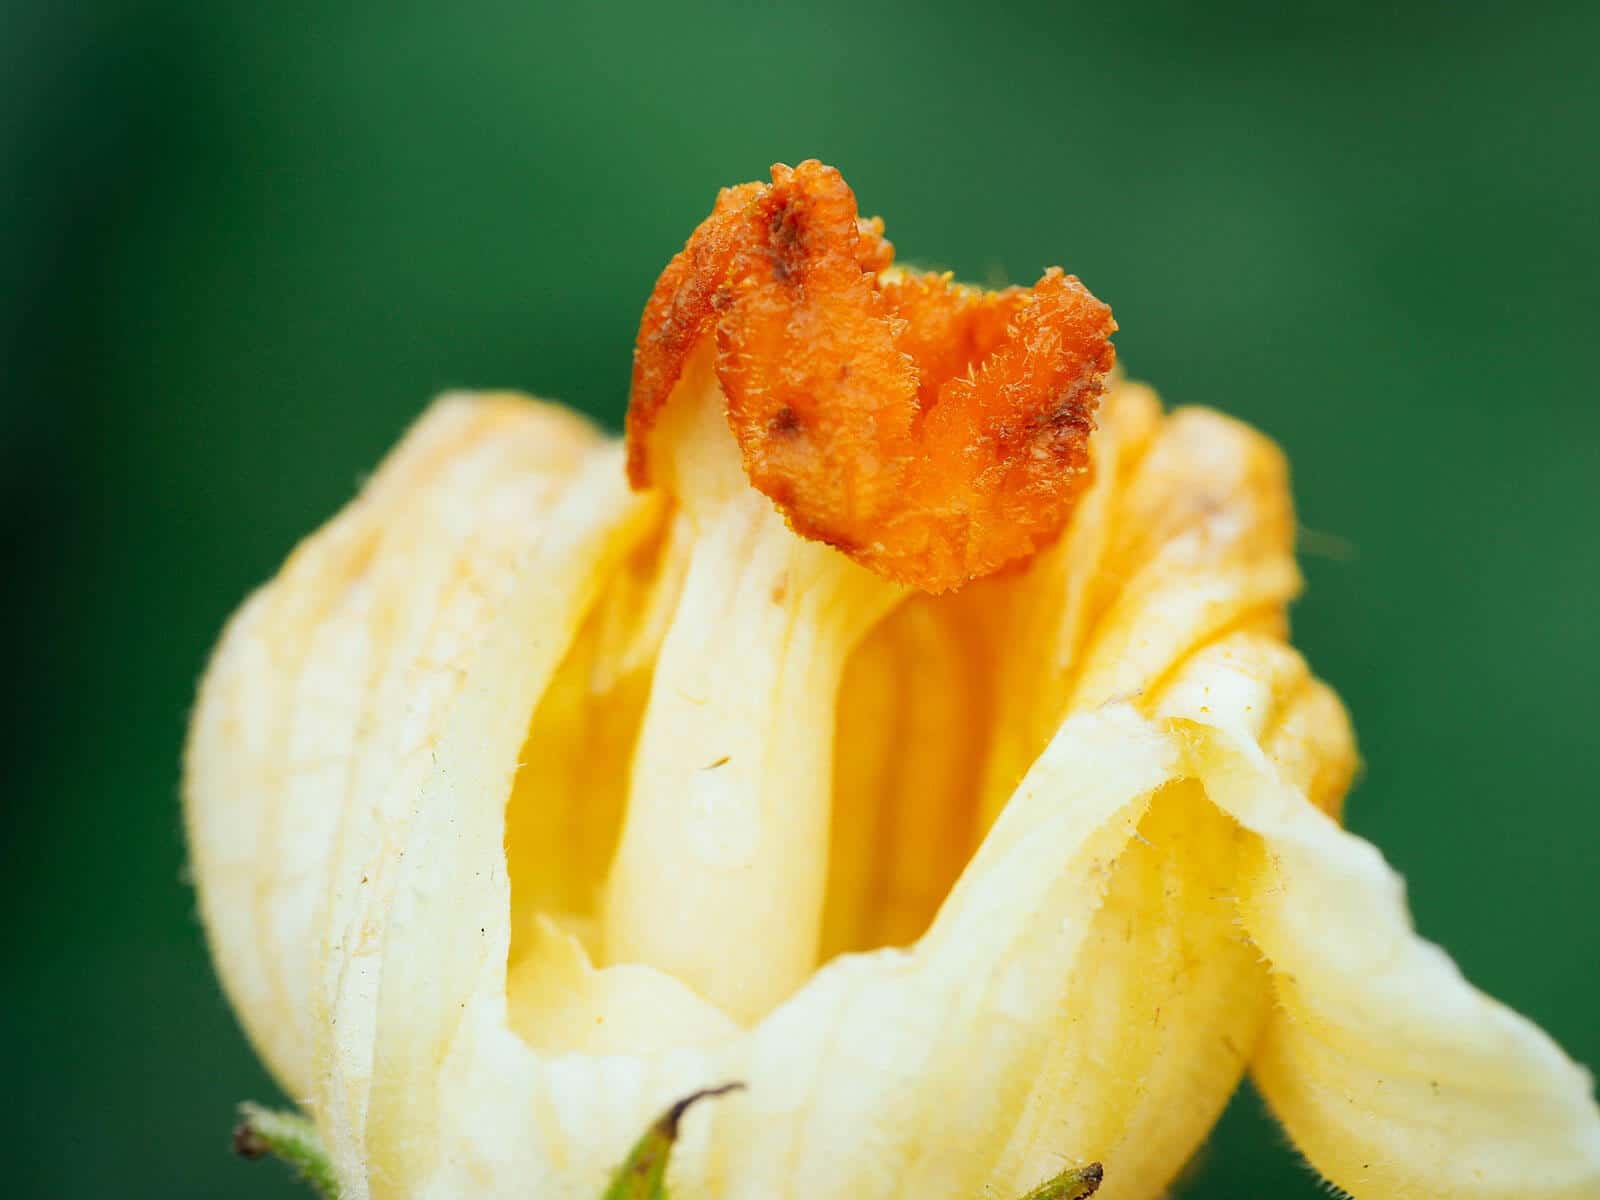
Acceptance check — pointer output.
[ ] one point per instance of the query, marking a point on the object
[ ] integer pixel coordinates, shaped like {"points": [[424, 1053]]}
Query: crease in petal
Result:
{"points": [[568, 798], [909, 746], [1155, 1032]]}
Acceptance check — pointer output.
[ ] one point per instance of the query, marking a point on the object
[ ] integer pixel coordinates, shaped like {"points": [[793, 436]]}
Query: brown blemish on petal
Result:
{"points": [[933, 432]]}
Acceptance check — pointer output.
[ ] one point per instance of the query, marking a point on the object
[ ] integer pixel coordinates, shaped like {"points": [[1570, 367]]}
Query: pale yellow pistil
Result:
{"points": [[722, 865]]}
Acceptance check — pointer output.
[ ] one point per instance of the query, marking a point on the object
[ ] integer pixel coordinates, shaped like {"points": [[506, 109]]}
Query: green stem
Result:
{"points": [[290, 1138]]}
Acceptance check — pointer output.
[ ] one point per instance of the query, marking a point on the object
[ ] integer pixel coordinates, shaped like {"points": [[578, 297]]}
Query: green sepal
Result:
{"points": [[1075, 1183], [643, 1174], [290, 1138]]}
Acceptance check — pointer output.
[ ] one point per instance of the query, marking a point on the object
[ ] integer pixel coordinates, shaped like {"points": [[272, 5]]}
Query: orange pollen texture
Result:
{"points": [[933, 432]]}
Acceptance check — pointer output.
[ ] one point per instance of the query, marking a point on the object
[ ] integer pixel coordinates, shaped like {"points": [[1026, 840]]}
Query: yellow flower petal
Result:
{"points": [[887, 1072], [1394, 1076], [305, 704], [1036, 626], [324, 705], [559, 1003], [1187, 532], [1169, 1002], [417, 750]]}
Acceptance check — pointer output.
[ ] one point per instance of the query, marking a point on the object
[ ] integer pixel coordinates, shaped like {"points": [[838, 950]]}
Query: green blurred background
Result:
{"points": [[243, 244]]}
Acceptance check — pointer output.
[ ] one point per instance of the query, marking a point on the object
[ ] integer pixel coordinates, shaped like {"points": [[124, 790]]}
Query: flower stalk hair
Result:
{"points": [[900, 720]]}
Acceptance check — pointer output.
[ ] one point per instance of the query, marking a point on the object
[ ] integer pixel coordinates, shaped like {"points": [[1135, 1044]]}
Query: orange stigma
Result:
{"points": [[933, 432]]}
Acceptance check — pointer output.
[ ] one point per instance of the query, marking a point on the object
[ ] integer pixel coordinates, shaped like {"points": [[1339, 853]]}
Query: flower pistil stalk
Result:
{"points": [[771, 322]]}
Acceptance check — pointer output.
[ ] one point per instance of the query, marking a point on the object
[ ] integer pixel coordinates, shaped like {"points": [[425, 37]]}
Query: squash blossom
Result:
{"points": [[900, 723]]}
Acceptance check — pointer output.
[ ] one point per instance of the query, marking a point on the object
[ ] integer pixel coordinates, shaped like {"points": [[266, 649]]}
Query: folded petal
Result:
{"points": [[1395, 1077], [1034, 627], [472, 752], [1155, 1033], [288, 731], [1085, 993], [324, 705], [408, 773], [559, 1003], [1187, 532], [899, 1072]]}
